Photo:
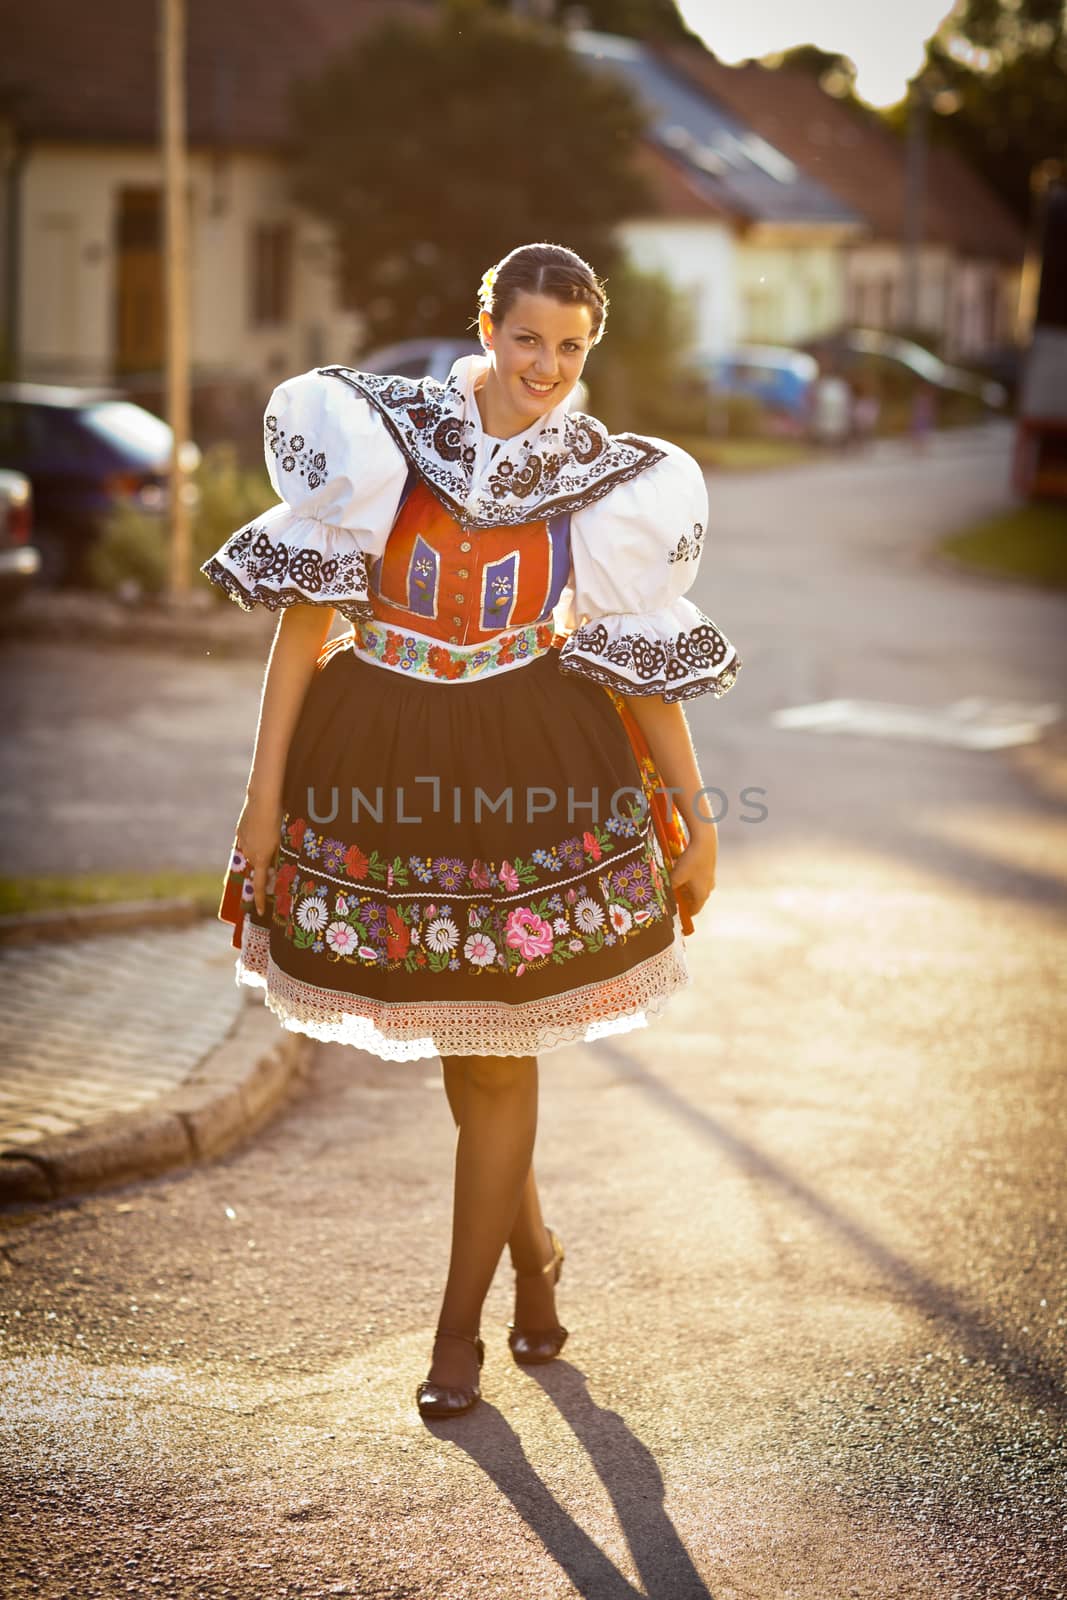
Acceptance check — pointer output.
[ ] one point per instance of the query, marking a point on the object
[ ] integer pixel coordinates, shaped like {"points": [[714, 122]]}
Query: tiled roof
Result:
{"points": [[861, 162], [678, 193], [72, 70], [716, 147], [76, 70]]}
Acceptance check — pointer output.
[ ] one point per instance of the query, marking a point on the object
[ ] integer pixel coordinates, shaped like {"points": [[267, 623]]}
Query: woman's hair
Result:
{"points": [[549, 269]]}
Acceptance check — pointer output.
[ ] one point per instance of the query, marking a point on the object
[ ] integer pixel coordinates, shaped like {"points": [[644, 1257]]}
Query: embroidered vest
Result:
{"points": [[453, 603]]}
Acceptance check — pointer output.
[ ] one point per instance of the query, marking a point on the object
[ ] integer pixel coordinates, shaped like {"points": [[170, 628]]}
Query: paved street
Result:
{"points": [[813, 1216]]}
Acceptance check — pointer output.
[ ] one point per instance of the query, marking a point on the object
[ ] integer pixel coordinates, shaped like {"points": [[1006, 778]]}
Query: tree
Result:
{"points": [[835, 73], [434, 148], [638, 377], [997, 78]]}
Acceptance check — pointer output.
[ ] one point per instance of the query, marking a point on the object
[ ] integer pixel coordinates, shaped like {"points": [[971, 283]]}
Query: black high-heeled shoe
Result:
{"points": [[532, 1346], [441, 1400]]}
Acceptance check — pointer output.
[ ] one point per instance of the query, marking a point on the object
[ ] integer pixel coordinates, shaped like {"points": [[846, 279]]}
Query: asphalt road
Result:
{"points": [[813, 1216]]}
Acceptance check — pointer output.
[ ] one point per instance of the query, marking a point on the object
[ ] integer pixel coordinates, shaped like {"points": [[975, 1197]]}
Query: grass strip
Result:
{"points": [[1029, 541], [24, 894]]}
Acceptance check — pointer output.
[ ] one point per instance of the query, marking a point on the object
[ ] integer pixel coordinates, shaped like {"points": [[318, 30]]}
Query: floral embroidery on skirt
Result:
{"points": [[459, 934]]}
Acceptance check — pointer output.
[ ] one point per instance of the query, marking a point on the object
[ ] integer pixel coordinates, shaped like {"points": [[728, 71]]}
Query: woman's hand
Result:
{"points": [[258, 835], [695, 868]]}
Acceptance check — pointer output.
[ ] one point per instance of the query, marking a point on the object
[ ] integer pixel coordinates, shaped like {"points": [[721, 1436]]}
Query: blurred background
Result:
{"points": [[809, 246]]}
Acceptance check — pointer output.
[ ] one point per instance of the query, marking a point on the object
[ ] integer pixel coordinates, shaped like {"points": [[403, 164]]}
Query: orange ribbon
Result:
{"points": [[666, 818]]}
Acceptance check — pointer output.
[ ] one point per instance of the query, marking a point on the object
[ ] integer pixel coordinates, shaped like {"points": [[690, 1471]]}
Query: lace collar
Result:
{"points": [[564, 461]]}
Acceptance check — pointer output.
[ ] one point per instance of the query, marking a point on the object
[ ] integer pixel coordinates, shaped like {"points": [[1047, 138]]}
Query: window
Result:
{"points": [[272, 263]]}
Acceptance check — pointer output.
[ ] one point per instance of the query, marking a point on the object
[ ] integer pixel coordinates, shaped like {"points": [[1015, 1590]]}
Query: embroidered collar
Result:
{"points": [[563, 462]]}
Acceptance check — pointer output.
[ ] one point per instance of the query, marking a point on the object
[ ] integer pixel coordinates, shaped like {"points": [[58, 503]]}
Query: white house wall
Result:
{"points": [[789, 292], [697, 258], [68, 266], [972, 305]]}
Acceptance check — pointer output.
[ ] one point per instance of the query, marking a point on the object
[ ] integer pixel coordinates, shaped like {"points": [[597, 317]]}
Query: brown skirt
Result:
{"points": [[467, 869]]}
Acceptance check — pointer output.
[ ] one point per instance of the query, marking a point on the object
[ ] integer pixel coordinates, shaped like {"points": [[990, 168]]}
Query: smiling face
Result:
{"points": [[537, 350]]}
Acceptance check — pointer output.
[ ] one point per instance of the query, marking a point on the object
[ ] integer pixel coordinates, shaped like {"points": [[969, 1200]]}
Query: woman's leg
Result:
{"points": [[494, 1149], [528, 1242]]}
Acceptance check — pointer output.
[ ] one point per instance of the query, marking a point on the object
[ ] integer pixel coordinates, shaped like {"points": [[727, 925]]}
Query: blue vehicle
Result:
{"points": [[84, 451], [779, 378]]}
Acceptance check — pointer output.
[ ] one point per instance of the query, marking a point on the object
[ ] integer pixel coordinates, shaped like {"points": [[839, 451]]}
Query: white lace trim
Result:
{"points": [[416, 1030]]}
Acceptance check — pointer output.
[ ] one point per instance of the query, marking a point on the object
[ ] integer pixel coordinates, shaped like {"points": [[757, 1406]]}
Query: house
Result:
{"points": [[81, 275], [970, 258], [757, 243], [778, 213]]}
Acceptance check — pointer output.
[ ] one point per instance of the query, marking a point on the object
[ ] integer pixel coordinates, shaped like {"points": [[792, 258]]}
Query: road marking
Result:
{"points": [[972, 724]]}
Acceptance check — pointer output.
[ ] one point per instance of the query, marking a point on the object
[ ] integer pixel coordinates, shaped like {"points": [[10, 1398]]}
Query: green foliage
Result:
{"points": [[53, 893], [1006, 116], [835, 73], [639, 377], [1029, 542], [133, 549], [228, 496], [737, 416], [432, 149]]}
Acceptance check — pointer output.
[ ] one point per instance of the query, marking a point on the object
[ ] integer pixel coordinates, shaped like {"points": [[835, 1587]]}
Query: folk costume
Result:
{"points": [[473, 856]]}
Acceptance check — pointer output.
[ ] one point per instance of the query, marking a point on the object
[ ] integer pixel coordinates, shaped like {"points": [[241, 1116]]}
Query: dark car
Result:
{"points": [[20, 560], [870, 350], [84, 451]]}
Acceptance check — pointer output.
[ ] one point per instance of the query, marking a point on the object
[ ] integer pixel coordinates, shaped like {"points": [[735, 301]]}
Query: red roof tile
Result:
{"points": [[77, 71], [861, 162], [71, 70], [675, 192]]}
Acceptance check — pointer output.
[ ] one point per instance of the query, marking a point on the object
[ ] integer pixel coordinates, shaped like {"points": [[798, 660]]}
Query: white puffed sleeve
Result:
{"points": [[340, 477], [635, 553]]}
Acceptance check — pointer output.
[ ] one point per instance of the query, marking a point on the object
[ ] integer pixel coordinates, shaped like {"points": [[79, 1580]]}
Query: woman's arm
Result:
{"points": [[667, 731], [298, 639]]}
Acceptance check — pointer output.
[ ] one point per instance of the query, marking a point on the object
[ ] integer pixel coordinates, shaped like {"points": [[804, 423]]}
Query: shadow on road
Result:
{"points": [[1023, 1371], [625, 1467]]}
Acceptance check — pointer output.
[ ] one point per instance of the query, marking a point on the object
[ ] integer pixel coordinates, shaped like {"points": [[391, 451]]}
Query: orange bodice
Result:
{"points": [[464, 587]]}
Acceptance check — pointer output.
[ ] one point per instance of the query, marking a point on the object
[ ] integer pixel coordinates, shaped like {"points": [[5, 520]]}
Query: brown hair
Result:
{"points": [[549, 269]]}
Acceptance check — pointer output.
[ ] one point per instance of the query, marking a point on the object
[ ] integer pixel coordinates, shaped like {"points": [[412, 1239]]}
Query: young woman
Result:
{"points": [[455, 839]]}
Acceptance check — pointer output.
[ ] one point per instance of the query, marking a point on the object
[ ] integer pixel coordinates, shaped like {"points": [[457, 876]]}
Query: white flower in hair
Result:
{"points": [[485, 291]]}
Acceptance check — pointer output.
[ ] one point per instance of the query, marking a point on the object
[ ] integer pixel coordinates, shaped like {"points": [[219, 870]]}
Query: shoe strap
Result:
{"points": [[557, 1255], [473, 1339]]}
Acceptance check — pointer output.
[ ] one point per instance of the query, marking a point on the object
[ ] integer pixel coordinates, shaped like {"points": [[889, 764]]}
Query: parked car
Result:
{"points": [[780, 378], [869, 348], [434, 358], [20, 560], [85, 451]]}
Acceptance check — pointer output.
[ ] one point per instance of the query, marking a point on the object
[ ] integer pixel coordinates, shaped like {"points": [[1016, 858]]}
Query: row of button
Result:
{"points": [[459, 599]]}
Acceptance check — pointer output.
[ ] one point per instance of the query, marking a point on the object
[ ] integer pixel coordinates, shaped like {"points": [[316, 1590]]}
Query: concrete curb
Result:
{"points": [[202, 627], [82, 922], [234, 1091]]}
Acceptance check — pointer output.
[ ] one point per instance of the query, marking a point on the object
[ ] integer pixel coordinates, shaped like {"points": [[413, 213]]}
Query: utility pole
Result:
{"points": [[176, 281], [914, 201]]}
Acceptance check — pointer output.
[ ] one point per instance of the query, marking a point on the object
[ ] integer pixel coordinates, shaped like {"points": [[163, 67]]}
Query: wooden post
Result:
{"points": [[176, 281], [914, 205]]}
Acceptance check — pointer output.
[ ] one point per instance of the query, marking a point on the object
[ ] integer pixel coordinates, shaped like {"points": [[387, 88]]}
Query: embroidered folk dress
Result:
{"points": [[473, 855]]}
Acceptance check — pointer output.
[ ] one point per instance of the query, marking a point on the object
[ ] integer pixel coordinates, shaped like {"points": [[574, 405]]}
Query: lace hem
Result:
{"points": [[638, 665], [283, 559], [421, 1029]]}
